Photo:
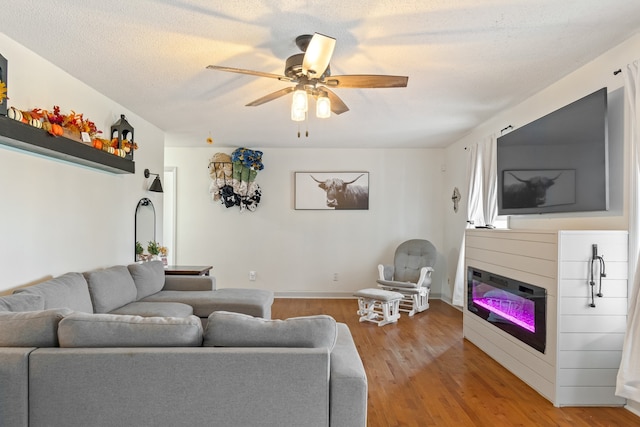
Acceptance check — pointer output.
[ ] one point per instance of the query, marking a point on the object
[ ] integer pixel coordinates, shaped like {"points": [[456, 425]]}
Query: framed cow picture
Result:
{"points": [[331, 190]]}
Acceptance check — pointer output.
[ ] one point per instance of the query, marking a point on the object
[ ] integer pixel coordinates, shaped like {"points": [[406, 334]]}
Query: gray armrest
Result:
{"points": [[189, 283], [385, 272], [348, 383], [14, 393]]}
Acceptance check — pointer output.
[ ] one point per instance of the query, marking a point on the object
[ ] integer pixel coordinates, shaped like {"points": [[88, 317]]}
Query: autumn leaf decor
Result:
{"points": [[71, 125], [3, 91]]}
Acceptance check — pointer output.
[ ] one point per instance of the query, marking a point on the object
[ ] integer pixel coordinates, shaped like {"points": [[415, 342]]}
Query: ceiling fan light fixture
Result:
{"points": [[299, 105], [299, 101], [297, 115], [323, 106]]}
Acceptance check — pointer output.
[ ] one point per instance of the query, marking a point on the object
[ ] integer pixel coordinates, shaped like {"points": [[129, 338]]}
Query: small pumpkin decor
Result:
{"points": [[76, 127], [233, 178]]}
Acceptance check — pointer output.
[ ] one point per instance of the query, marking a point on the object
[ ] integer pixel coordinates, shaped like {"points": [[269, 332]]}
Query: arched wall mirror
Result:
{"points": [[145, 223]]}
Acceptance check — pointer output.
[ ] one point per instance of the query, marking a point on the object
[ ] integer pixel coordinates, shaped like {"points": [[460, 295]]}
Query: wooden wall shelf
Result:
{"points": [[22, 136]]}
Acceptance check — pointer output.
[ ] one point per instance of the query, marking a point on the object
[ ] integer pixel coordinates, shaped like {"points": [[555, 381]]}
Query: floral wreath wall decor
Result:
{"points": [[233, 178]]}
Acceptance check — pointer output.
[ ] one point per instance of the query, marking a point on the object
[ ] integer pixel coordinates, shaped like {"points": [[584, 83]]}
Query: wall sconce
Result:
{"points": [[156, 185]]}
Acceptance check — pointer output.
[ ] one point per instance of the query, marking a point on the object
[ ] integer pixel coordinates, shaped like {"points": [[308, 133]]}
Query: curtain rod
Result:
{"points": [[507, 128]]}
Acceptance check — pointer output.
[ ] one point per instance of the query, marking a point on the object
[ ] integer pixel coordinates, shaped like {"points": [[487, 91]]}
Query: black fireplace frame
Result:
{"points": [[536, 294]]}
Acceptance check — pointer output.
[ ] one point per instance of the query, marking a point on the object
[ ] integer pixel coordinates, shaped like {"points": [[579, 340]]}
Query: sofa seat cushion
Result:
{"points": [[111, 288], [148, 277], [67, 291], [225, 329], [31, 328], [22, 302], [113, 330], [254, 302], [155, 309]]}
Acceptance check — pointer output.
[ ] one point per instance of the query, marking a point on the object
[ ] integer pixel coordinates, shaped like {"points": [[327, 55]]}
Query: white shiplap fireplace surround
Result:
{"points": [[583, 343]]}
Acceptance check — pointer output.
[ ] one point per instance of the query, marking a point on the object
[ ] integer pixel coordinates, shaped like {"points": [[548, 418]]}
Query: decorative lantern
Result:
{"points": [[3, 86], [122, 131]]}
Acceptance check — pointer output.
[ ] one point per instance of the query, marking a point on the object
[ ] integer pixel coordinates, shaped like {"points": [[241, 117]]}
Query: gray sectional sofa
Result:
{"points": [[143, 289], [87, 349]]}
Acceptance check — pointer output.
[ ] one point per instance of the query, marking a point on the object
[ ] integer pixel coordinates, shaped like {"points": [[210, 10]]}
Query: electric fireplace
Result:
{"points": [[518, 308]]}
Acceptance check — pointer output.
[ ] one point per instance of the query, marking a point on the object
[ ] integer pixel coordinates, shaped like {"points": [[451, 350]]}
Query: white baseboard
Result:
{"points": [[633, 407], [339, 295], [315, 295]]}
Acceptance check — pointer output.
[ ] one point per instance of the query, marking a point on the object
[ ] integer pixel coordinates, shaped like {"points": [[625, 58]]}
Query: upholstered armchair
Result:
{"points": [[410, 274]]}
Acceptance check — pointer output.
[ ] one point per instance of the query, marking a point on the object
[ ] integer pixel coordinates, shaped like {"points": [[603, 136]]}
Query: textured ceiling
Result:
{"points": [[466, 60]]}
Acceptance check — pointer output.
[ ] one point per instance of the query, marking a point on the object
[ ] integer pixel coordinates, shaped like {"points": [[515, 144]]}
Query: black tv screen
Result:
{"points": [[558, 163]]}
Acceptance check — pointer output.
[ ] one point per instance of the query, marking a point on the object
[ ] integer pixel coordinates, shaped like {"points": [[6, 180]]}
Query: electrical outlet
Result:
{"points": [[252, 275], [335, 277]]}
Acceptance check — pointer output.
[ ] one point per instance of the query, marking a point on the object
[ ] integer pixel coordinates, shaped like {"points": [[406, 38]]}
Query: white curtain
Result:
{"points": [[490, 180], [482, 205], [628, 382]]}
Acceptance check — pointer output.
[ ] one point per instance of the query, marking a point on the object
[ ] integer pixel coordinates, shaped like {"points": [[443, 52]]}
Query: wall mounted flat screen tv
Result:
{"points": [[558, 163]]}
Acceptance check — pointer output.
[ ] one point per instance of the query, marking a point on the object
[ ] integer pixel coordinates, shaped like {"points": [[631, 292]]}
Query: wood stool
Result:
{"points": [[378, 306]]}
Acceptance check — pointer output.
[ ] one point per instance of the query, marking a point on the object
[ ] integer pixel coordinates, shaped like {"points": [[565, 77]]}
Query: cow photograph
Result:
{"points": [[523, 189], [332, 190]]}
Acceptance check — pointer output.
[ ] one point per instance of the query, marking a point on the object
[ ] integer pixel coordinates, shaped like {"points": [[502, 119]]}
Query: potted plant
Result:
{"points": [[139, 251], [154, 249], [163, 254]]}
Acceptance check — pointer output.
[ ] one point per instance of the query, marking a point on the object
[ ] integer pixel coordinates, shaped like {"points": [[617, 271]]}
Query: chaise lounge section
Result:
{"points": [[143, 289]]}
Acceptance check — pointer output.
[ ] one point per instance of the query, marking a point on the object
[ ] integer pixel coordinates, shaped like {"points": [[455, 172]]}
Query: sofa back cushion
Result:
{"points": [[21, 302], [67, 291], [110, 288], [148, 277], [226, 329], [31, 328], [114, 330]]}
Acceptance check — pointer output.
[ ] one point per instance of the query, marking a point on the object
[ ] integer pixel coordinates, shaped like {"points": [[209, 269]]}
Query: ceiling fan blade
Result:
{"points": [[318, 55], [365, 81], [249, 72], [271, 96], [337, 105]]}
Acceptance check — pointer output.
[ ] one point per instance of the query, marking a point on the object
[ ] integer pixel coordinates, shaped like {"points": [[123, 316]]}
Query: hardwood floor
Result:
{"points": [[421, 372]]}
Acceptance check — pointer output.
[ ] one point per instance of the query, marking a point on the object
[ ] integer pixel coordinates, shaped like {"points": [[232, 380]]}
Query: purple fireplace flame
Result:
{"points": [[516, 307], [512, 307]]}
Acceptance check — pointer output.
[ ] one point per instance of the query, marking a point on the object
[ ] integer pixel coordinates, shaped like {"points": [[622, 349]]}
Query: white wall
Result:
{"points": [[296, 252], [596, 74], [57, 217]]}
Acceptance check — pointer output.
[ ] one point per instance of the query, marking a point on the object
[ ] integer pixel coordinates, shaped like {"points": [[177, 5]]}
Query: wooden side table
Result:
{"points": [[187, 270]]}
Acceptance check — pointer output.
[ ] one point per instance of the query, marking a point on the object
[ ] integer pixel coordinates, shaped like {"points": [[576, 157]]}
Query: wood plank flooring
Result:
{"points": [[421, 372]]}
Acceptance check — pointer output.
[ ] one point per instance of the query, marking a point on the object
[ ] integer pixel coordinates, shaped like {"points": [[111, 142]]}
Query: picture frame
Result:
{"points": [[315, 190]]}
